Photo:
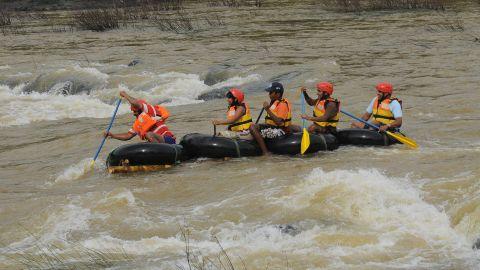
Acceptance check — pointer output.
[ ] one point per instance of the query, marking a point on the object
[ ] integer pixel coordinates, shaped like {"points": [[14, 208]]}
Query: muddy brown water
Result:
{"points": [[353, 208]]}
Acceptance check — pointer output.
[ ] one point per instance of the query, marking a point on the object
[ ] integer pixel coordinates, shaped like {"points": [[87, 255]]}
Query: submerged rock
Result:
{"points": [[134, 62], [476, 245], [289, 229]]}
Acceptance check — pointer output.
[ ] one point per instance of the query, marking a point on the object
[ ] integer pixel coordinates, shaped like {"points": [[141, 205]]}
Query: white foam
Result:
{"points": [[4, 67], [59, 224], [78, 171], [369, 198], [137, 247], [183, 88], [20, 109]]}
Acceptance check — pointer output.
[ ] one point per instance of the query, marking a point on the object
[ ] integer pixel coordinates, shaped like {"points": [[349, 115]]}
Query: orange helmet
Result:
{"points": [[141, 101], [325, 87], [237, 93], [384, 87]]}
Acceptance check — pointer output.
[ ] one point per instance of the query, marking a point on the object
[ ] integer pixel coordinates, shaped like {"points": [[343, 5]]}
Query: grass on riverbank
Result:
{"points": [[377, 5]]}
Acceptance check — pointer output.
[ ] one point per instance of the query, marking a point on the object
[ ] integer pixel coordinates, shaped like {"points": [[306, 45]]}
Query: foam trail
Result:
{"points": [[78, 171]]}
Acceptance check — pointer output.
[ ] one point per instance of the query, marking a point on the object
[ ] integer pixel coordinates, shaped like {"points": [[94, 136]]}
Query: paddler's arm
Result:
{"points": [[310, 101], [238, 114], [365, 117], [394, 124], [330, 111], [133, 101], [278, 121], [120, 136]]}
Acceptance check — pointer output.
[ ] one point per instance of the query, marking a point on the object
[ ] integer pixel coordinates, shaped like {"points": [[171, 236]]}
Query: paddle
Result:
{"points": [[405, 140], [260, 115], [108, 129], [305, 136], [214, 130]]}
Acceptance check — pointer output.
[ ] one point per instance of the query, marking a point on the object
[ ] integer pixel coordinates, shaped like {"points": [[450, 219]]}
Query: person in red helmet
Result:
{"points": [[385, 109], [239, 118], [326, 112], [149, 124]]}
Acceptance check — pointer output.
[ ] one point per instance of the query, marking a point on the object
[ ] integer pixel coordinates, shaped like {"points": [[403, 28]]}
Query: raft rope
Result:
{"points": [[323, 140], [237, 148]]}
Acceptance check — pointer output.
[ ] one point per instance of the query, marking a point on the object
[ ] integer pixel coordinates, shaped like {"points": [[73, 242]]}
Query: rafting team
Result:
{"points": [[385, 109]]}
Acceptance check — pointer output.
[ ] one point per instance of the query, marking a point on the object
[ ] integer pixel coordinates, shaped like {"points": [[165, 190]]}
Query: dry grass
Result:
{"points": [[196, 261], [373, 5], [51, 256], [97, 20], [5, 18], [234, 3]]}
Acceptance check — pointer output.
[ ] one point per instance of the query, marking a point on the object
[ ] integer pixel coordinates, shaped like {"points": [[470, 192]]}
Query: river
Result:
{"points": [[352, 208]]}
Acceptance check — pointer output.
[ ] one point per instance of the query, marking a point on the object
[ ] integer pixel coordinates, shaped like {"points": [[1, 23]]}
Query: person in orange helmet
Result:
{"points": [[238, 118], [385, 109], [326, 112], [149, 124]]}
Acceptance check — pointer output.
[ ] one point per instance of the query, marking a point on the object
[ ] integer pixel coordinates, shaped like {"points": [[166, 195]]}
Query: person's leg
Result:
{"points": [[295, 128], [358, 125], [169, 140], [255, 131], [154, 138]]}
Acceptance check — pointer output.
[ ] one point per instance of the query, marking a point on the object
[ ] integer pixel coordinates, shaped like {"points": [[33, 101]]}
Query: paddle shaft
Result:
{"points": [[361, 120], [260, 115], [108, 129], [303, 109]]}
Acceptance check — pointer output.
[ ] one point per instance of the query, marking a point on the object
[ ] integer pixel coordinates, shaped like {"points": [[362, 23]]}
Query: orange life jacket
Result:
{"points": [[146, 123], [319, 111], [274, 108]]}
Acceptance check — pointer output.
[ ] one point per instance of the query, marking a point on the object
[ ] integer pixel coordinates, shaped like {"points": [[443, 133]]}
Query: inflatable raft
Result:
{"points": [[290, 144], [357, 136], [201, 145], [144, 157]]}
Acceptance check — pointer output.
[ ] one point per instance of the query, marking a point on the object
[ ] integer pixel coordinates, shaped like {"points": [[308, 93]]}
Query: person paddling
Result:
{"points": [[326, 112], [238, 119], [277, 120], [385, 109], [149, 124]]}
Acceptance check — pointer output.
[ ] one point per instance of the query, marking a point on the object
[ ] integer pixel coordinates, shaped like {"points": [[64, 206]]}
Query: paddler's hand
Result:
{"points": [[303, 89], [216, 122], [107, 134], [266, 105], [356, 125], [383, 128], [123, 94], [304, 116]]}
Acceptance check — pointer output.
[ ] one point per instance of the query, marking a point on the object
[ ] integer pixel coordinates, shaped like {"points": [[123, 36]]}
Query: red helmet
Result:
{"points": [[141, 101], [237, 93], [325, 87], [384, 87]]}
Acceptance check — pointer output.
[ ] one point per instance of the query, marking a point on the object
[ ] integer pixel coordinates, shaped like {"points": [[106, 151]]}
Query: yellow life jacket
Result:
{"points": [[143, 124], [319, 110], [274, 108], [382, 112], [244, 122]]}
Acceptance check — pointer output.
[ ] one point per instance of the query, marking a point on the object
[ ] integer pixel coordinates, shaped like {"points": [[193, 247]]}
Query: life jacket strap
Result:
{"points": [[240, 123]]}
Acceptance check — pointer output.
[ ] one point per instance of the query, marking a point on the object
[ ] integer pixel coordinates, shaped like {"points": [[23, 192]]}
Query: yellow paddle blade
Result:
{"points": [[305, 141], [407, 141]]}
